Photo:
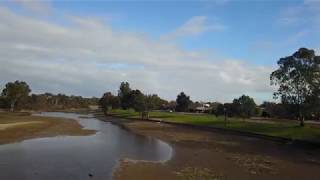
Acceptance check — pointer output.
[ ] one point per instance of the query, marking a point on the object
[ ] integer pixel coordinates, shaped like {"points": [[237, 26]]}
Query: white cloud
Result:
{"points": [[90, 57], [195, 26]]}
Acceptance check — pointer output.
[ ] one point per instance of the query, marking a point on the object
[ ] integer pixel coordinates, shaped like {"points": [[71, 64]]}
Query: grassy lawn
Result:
{"points": [[281, 129]]}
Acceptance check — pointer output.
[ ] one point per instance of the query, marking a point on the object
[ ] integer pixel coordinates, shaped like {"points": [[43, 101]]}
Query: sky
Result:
{"points": [[213, 50]]}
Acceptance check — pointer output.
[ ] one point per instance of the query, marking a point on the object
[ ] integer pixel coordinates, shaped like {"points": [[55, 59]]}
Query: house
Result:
{"points": [[200, 107]]}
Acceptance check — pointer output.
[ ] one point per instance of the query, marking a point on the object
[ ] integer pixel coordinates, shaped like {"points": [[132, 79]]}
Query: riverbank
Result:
{"points": [[18, 126], [214, 155], [281, 129]]}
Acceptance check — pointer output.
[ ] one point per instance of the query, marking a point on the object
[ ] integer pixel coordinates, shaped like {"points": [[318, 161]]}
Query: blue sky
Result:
{"points": [[251, 27], [212, 50]]}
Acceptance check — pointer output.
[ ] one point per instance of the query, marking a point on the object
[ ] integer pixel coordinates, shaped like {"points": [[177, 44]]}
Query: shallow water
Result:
{"points": [[75, 157]]}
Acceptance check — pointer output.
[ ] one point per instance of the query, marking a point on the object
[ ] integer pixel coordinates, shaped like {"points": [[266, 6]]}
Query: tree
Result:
{"points": [[138, 102], [15, 91], [154, 102], [298, 78], [124, 93], [278, 110], [183, 102], [219, 110], [108, 100], [244, 106], [3, 102], [171, 106]]}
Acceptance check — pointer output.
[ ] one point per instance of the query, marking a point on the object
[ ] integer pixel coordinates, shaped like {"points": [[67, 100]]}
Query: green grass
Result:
{"points": [[285, 129]]}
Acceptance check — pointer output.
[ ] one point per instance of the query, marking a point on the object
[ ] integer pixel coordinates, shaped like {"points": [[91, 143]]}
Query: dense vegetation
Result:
{"points": [[134, 99], [16, 96]]}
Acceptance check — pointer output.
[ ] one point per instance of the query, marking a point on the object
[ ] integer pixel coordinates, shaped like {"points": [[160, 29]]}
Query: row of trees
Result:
{"points": [[244, 106], [16, 95], [128, 98], [135, 99], [297, 79]]}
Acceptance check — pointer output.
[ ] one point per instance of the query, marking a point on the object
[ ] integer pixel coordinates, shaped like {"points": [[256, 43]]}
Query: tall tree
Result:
{"points": [[108, 100], [244, 106], [298, 78], [138, 102], [124, 95], [154, 102], [15, 91], [183, 102]]}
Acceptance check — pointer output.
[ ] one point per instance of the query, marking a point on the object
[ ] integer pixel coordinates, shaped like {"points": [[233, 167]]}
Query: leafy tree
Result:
{"points": [[298, 78], [124, 95], [109, 101], [154, 102], [169, 106], [138, 103], [278, 110], [244, 106], [219, 110], [138, 100], [15, 91], [183, 102], [313, 105], [3, 102]]}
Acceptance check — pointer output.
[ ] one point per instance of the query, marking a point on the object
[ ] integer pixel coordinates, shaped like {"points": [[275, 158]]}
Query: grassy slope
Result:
{"points": [[280, 129]]}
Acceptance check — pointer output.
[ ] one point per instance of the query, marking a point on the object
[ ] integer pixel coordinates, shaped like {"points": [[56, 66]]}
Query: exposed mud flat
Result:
{"points": [[15, 127], [209, 155]]}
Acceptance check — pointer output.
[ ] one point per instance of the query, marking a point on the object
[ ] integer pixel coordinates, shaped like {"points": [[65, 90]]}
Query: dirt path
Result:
{"points": [[201, 155]]}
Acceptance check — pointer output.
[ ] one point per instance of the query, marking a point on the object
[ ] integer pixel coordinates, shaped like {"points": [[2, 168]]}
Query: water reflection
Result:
{"points": [[74, 157]]}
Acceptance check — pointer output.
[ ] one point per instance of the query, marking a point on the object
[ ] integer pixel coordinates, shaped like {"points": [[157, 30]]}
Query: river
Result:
{"points": [[78, 157]]}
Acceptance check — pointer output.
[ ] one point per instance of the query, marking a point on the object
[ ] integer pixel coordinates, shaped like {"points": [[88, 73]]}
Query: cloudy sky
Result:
{"points": [[212, 50]]}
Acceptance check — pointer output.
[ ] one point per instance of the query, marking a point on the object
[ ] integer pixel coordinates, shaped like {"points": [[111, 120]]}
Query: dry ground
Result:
{"points": [[20, 126], [201, 155]]}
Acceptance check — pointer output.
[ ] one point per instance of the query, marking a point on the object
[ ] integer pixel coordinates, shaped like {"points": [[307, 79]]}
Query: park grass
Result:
{"points": [[285, 129]]}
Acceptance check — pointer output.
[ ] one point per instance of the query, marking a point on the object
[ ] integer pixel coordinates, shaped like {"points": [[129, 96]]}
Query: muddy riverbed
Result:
{"points": [[206, 155]]}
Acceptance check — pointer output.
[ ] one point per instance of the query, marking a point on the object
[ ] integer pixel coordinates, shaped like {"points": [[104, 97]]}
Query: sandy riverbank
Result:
{"points": [[209, 155], [16, 127]]}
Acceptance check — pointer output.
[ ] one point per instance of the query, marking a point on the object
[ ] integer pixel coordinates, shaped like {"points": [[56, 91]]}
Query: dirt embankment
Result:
{"points": [[16, 127], [203, 155]]}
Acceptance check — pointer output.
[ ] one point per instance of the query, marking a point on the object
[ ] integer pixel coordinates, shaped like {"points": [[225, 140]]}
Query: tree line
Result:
{"points": [[297, 79], [16, 96], [129, 98]]}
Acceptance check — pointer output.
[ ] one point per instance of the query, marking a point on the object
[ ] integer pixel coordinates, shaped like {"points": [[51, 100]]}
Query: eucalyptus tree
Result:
{"points": [[298, 81], [183, 102], [124, 95], [15, 91]]}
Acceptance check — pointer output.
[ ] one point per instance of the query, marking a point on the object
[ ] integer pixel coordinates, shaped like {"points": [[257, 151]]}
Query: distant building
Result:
{"points": [[200, 107]]}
